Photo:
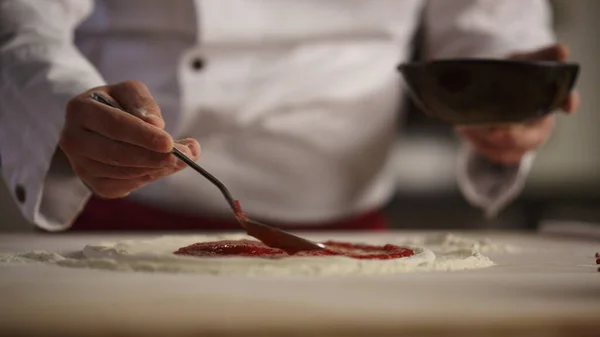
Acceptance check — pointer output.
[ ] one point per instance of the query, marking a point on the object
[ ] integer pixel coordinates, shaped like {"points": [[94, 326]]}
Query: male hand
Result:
{"points": [[508, 144], [113, 152]]}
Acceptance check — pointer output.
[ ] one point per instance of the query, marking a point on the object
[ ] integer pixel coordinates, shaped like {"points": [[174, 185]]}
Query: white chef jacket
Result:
{"points": [[294, 102]]}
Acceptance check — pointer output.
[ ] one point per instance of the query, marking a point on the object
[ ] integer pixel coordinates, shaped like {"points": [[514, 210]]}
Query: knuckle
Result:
{"points": [[179, 167], [145, 179], [111, 156], [196, 150], [132, 85], [114, 154], [124, 172], [162, 142], [148, 178], [172, 161], [130, 172], [113, 160], [161, 160], [151, 160]]}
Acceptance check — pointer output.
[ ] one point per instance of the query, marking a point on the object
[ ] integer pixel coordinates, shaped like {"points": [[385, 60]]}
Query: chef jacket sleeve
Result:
{"points": [[40, 70], [494, 29]]}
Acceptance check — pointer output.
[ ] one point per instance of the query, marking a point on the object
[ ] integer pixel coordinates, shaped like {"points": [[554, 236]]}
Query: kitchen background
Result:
{"points": [[564, 183]]}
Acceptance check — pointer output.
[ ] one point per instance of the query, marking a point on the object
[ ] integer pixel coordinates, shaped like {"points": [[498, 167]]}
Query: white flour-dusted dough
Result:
{"points": [[437, 252], [157, 255]]}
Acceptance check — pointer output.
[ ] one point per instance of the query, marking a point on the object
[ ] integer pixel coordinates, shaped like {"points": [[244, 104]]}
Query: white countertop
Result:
{"points": [[551, 289]]}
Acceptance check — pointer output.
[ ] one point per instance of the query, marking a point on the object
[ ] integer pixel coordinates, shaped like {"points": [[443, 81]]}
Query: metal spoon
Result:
{"points": [[270, 236]]}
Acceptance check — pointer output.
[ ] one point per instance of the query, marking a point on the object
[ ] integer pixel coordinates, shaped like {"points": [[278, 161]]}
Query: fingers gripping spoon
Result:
{"points": [[270, 236]]}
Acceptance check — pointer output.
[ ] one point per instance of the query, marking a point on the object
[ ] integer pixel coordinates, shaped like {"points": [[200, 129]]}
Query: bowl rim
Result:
{"points": [[473, 61]]}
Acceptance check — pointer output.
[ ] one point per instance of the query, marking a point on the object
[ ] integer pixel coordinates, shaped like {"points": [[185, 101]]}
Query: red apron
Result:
{"points": [[126, 215]]}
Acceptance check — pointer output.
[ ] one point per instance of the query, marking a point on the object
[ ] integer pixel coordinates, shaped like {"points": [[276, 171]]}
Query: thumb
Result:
{"points": [[558, 52], [135, 98]]}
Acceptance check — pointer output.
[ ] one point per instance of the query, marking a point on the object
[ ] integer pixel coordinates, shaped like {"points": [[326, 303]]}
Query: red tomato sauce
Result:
{"points": [[251, 248]]}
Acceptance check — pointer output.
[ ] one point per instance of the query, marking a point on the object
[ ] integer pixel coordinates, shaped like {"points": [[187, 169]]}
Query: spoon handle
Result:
{"points": [[180, 155], [206, 175]]}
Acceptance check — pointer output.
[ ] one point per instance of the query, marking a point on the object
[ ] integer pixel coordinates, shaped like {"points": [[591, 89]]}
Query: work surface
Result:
{"points": [[550, 289]]}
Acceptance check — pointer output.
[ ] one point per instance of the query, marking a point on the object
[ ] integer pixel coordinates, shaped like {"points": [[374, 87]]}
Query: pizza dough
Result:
{"points": [[432, 253], [157, 254]]}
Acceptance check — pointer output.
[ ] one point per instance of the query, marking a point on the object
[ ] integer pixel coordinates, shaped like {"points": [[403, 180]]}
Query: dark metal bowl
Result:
{"points": [[486, 91]]}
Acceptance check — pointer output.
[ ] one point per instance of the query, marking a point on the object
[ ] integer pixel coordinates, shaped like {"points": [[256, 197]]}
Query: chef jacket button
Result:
{"points": [[20, 193], [197, 64]]}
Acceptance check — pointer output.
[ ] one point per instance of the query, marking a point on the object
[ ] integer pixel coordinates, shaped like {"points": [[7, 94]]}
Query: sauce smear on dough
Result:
{"points": [[250, 248]]}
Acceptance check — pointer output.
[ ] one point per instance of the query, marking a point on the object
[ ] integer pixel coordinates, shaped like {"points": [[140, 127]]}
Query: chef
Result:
{"points": [[291, 103]]}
